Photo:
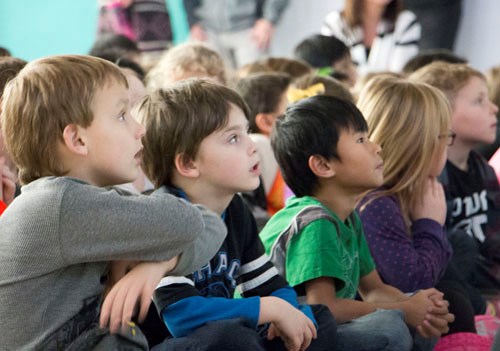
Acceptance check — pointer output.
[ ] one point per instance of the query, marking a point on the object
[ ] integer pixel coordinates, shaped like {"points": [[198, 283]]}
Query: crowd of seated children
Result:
{"points": [[68, 123], [317, 241], [197, 147]]}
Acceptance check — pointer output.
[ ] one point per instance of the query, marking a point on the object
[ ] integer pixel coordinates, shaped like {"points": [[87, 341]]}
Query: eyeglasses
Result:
{"points": [[450, 136]]}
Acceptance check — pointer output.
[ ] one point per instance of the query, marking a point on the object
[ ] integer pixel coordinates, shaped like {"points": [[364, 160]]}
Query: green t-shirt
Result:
{"points": [[305, 240]]}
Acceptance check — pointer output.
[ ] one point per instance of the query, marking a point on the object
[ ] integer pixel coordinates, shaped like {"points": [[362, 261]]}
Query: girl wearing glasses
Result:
{"points": [[404, 219]]}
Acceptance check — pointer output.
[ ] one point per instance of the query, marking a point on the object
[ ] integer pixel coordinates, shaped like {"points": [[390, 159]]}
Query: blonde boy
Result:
{"points": [[471, 187], [67, 125]]}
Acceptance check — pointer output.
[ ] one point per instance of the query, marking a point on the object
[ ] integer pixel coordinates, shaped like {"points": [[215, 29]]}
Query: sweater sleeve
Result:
{"points": [[407, 260], [183, 309], [273, 10], [334, 25], [407, 34], [190, 7], [102, 225]]}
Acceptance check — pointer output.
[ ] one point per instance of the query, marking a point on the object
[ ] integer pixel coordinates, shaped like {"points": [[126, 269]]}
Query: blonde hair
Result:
{"points": [[365, 79], [185, 61], [493, 81], [447, 77], [46, 96], [406, 119]]}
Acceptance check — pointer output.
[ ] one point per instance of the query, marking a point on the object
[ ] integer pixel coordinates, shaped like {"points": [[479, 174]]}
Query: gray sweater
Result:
{"points": [[232, 15], [57, 238]]}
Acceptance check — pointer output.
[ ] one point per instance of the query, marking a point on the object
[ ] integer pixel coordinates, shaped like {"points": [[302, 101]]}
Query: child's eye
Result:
{"points": [[121, 116], [233, 139], [361, 140]]}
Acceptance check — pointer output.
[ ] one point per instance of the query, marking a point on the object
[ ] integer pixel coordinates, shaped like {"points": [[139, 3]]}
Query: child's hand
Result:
{"points": [[432, 205], [8, 186], [133, 292], [416, 307], [293, 326], [438, 318]]}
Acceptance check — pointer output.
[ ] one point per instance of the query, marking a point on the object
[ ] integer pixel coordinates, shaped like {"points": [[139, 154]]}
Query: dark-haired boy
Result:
{"points": [[317, 240], [197, 146]]}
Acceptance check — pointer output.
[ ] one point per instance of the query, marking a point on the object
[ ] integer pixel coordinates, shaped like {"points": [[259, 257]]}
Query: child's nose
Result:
{"points": [[252, 146], [494, 107], [140, 130]]}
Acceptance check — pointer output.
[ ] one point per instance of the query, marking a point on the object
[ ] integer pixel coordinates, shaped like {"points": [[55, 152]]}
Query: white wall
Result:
{"points": [[478, 36], [479, 33], [301, 19]]}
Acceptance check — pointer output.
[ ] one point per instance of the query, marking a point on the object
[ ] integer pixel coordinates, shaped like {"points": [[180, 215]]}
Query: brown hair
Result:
{"points": [[447, 77], [353, 10], [262, 92], [9, 68], [46, 96], [177, 119]]}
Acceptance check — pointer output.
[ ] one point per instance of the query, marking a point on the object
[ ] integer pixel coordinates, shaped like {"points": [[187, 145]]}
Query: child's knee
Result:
{"points": [[392, 328], [233, 334]]}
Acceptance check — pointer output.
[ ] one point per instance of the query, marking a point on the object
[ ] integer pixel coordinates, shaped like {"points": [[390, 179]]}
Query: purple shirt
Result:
{"points": [[406, 260]]}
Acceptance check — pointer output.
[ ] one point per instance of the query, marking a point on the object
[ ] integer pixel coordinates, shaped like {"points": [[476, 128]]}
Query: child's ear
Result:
{"points": [[264, 122], [74, 139], [321, 166], [186, 166]]}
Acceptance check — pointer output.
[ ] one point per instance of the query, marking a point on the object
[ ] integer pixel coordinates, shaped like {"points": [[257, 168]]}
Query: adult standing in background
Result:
{"points": [[146, 22], [240, 30], [439, 20], [380, 34]]}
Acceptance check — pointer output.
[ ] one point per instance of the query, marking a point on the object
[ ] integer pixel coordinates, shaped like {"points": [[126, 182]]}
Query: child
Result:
{"points": [[197, 147], [266, 96], [404, 219], [67, 125], [493, 81], [330, 56], [471, 187], [185, 61], [317, 241], [9, 67]]}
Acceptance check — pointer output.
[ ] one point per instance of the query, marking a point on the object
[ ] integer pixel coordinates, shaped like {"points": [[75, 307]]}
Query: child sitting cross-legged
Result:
{"points": [[197, 147], [67, 125], [317, 240]]}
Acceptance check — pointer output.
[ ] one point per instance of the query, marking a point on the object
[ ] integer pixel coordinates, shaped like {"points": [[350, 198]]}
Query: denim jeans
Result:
{"points": [[382, 330], [237, 334]]}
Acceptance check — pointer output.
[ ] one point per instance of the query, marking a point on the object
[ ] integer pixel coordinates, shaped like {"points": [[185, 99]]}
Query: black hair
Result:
{"points": [[311, 127], [262, 93], [429, 56], [110, 41], [321, 51], [119, 58]]}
